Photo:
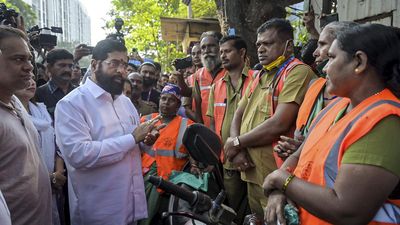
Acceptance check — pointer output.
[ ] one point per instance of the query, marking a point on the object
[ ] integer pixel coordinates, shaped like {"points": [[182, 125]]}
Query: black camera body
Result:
{"points": [[7, 15], [183, 63], [90, 49], [44, 37]]}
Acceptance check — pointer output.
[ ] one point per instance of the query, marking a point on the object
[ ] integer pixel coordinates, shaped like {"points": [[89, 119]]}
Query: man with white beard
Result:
{"points": [[206, 76]]}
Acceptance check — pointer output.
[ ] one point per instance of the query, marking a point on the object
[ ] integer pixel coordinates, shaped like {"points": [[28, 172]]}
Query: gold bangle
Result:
{"points": [[287, 181]]}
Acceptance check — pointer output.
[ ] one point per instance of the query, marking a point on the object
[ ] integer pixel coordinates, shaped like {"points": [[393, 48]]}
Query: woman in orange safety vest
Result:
{"points": [[347, 170]]}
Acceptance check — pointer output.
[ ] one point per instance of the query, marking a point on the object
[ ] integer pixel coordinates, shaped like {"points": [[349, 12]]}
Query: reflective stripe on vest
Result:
{"points": [[202, 88], [331, 166], [220, 104], [175, 153], [274, 90], [220, 99], [322, 113], [343, 135], [205, 81], [309, 101]]}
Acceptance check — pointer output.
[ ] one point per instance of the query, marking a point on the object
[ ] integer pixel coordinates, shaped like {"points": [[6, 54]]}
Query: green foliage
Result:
{"points": [[201, 9], [300, 31], [142, 25], [24, 9]]}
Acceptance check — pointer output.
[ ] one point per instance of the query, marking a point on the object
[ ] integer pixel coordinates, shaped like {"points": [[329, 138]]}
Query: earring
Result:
{"points": [[356, 70]]}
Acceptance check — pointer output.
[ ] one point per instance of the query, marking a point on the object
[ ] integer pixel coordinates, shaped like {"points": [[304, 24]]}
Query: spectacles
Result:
{"points": [[116, 64]]}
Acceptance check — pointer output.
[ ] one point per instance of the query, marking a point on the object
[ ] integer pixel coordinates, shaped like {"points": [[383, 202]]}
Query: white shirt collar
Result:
{"points": [[96, 90]]}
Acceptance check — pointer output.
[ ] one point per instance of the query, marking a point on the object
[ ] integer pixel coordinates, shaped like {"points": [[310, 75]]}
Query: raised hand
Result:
{"points": [[153, 135], [144, 129]]}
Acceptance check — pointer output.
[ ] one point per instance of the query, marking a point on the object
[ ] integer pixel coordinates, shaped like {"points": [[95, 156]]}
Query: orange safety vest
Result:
{"points": [[274, 91], [220, 102], [325, 146], [168, 151], [205, 81], [309, 101]]}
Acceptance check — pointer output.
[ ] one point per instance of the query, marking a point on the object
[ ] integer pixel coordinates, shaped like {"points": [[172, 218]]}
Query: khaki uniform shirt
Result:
{"points": [[233, 97], [257, 110]]}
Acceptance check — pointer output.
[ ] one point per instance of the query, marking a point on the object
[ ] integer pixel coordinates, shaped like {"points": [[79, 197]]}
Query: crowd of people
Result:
{"points": [[315, 135]]}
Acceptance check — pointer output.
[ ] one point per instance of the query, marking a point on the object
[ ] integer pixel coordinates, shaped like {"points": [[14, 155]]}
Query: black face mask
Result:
{"points": [[109, 83], [320, 67], [147, 81]]}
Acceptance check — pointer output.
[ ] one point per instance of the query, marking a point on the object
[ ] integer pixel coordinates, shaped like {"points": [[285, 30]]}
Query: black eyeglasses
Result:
{"points": [[116, 64]]}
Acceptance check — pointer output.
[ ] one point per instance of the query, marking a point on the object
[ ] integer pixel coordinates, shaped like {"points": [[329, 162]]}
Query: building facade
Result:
{"points": [[70, 15], [361, 11]]}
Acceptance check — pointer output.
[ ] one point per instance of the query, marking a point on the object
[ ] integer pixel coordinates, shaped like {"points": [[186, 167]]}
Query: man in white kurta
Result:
{"points": [[97, 132]]}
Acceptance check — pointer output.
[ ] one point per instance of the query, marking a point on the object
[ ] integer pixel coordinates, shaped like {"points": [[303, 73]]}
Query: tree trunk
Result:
{"points": [[245, 16]]}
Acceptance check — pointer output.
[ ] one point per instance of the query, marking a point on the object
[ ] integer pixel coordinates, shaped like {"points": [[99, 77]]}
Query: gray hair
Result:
{"points": [[337, 27]]}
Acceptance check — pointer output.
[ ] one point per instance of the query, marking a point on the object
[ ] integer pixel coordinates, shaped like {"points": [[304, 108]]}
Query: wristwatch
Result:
{"points": [[236, 142]]}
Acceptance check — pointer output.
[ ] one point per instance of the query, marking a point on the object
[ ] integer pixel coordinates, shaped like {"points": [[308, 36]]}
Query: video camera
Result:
{"points": [[8, 16], [182, 63], [43, 37]]}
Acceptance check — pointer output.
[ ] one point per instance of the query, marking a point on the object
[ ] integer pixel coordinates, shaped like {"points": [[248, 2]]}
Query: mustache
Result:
{"points": [[118, 76], [67, 73], [210, 55]]}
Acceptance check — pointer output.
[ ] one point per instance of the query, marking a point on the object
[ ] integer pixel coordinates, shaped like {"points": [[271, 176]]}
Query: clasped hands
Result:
{"points": [[148, 132], [237, 155]]}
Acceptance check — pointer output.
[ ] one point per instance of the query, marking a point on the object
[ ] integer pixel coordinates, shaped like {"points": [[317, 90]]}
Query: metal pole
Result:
{"points": [[190, 11]]}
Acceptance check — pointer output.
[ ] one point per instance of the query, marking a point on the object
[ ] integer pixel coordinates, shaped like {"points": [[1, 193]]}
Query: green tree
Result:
{"points": [[142, 25], [24, 9]]}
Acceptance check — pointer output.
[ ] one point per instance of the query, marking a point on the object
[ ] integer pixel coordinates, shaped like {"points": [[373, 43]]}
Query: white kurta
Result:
{"points": [[103, 160], [5, 218]]}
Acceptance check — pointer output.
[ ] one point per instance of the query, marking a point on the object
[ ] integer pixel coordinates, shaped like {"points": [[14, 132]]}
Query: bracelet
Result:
{"points": [[287, 181]]}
